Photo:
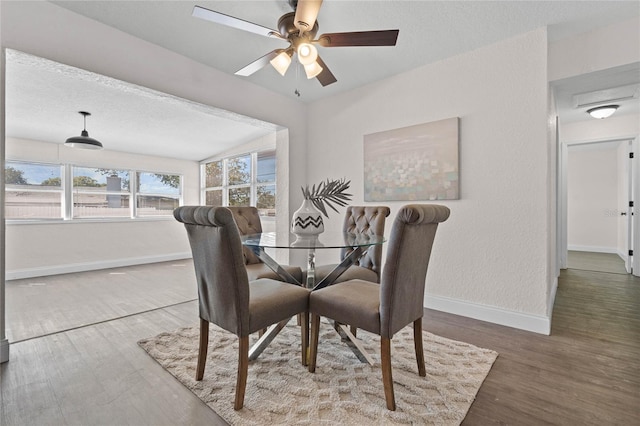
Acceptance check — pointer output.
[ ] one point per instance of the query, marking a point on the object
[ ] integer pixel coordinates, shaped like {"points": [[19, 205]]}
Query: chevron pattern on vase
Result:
{"points": [[315, 222]]}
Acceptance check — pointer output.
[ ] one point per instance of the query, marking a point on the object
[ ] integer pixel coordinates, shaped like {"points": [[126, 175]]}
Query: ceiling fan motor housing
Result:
{"points": [[287, 28]]}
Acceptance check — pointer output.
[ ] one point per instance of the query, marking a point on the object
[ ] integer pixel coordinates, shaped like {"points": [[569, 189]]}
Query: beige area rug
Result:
{"points": [[343, 390]]}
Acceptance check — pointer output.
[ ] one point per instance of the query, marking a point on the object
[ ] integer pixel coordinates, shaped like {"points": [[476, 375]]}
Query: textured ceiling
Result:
{"points": [[429, 31], [40, 93], [38, 90]]}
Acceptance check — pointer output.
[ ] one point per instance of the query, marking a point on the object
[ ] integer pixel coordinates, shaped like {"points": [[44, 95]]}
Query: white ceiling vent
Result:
{"points": [[607, 96]]}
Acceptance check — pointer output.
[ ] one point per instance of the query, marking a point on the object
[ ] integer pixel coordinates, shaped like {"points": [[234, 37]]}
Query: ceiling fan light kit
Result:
{"points": [[307, 53], [83, 141], [312, 70], [282, 61], [603, 111], [299, 29]]}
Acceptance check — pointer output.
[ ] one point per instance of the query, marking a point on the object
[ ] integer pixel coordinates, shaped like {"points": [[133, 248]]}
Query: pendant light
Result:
{"points": [[83, 141]]}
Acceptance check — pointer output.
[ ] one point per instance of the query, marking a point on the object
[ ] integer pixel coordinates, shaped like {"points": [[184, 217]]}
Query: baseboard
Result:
{"points": [[17, 274], [552, 300], [622, 255], [594, 249], [514, 319], [4, 350]]}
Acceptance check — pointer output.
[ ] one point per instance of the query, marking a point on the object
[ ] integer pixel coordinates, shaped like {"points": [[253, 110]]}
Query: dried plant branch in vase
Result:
{"points": [[329, 193]]}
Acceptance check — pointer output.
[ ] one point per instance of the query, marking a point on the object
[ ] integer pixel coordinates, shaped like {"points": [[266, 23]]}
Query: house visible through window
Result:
{"points": [[33, 190], [53, 191], [244, 180], [158, 194], [101, 192]]}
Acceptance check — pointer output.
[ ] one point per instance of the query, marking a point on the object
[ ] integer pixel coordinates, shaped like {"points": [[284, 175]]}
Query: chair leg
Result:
{"points": [[387, 379], [417, 342], [243, 370], [313, 344], [202, 350], [304, 332], [354, 331]]}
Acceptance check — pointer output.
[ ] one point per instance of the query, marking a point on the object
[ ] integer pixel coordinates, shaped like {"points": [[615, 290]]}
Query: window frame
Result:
{"points": [[67, 195], [225, 187], [60, 191], [141, 193]]}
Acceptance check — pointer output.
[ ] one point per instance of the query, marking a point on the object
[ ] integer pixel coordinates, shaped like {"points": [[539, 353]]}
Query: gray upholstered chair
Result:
{"points": [[360, 220], [226, 297], [248, 221], [386, 308]]}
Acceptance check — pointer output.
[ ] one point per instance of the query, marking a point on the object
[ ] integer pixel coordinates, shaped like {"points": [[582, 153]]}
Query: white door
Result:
{"points": [[628, 211], [634, 229]]}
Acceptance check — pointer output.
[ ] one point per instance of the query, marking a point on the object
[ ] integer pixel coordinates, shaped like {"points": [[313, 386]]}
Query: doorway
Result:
{"points": [[598, 186]]}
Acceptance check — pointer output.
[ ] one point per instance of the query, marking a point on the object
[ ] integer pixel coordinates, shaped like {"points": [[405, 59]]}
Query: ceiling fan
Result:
{"points": [[299, 29]]}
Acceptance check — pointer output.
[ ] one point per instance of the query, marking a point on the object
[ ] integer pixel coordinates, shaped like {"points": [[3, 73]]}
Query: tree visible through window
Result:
{"points": [[36, 191], [33, 190], [244, 180]]}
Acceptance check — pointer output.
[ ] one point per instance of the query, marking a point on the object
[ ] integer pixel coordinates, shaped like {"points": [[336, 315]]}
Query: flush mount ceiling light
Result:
{"points": [[602, 111], [83, 141]]}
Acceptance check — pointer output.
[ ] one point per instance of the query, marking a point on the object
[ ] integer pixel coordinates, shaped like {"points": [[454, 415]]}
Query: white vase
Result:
{"points": [[307, 220]]}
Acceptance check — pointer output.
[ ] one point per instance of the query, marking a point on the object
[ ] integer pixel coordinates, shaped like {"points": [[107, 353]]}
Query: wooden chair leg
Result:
{"points": [[243, 370], [202, 350], [313, 344], [304, 332], [387, 378], [417, 342], [354, 330]]}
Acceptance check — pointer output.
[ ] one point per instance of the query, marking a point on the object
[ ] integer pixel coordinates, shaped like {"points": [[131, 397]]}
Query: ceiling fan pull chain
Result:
{"points": [[297, 92]]}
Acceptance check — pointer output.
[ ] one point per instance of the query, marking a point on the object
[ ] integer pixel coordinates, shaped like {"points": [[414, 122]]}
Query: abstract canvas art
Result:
{"points": [[415, 163]]}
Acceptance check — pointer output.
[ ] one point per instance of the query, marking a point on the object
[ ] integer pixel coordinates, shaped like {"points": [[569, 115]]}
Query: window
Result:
{"points": [[101, 193], [266, 183], [158, 194], [53, 191], [33, 190], [239, 181], [244, 180]]}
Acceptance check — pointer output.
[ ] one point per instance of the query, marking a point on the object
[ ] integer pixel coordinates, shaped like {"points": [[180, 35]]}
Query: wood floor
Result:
{"points": [[586, 373], [597, 262]]}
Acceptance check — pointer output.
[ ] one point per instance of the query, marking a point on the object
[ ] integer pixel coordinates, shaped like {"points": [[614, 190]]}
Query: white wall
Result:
{"points": [[70, 246], [612, 128], [46, 30], [592, 187], [490, 259], [606, 47]]}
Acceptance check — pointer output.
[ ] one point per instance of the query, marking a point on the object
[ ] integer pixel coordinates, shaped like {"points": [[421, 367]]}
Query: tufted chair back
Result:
{"points": [[226, 297], [248, 221], [366, 220], [223, 285], [405, 269], [386, 308]]}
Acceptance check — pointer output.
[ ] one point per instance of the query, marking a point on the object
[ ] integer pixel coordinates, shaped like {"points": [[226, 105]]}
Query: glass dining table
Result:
{"points": [[354, 246]]}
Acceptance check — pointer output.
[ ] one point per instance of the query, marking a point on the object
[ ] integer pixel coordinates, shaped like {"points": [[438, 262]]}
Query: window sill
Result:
{"points": [[20, 222]]}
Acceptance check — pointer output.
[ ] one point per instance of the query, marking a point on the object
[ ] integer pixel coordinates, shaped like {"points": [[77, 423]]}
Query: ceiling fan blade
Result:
{"points": [[258, 64], [306, 14], [230, 21], [359, 38], [326, 77]]}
